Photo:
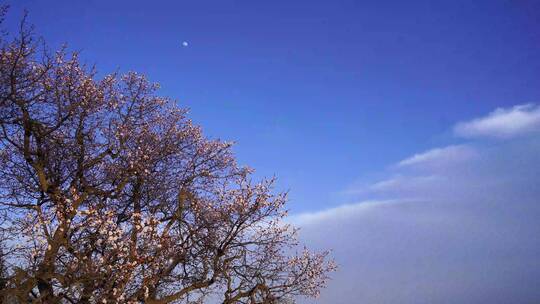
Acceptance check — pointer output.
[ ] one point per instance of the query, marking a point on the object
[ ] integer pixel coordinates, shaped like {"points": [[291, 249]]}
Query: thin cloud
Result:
{"points": [[455, 224], [343, 211], [401, 182], [502, 123], [445, 155]]}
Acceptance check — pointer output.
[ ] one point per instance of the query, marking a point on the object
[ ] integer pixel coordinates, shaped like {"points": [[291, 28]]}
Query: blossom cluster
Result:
{"points": [[114, 196]]}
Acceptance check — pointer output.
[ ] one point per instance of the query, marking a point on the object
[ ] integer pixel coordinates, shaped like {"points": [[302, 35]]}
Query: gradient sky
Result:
{"points": [[410, 129], [319, 93]]}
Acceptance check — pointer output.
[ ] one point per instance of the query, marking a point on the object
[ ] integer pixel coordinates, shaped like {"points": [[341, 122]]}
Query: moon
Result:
{"points": [[185, 43]]}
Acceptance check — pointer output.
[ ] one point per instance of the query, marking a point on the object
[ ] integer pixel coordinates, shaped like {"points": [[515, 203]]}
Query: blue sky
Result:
{"points": [[319, 93], [408, 132]]}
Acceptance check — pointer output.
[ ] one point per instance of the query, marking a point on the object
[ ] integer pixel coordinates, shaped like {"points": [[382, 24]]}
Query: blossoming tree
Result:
{"points": [[109, 194]]}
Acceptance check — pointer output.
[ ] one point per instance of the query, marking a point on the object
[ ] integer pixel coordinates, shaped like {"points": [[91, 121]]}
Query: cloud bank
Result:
{"points": [[455, 224]]}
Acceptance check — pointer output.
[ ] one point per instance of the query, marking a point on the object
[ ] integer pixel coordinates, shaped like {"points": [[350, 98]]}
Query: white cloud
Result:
{"points": [[456, 224], [445, 155], [502, 123], [343, 211], [405, 182], [428, 252]]}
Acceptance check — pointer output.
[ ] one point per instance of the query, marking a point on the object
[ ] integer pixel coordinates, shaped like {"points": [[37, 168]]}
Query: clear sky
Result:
{"points": [[409, 129], [319, 93]]}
